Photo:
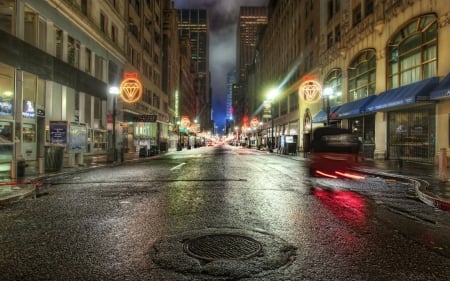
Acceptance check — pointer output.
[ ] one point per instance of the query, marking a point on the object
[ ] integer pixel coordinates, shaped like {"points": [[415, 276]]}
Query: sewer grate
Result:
{"points": [[222, 246]]}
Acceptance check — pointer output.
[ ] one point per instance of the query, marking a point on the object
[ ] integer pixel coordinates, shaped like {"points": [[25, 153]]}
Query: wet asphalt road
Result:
{"points": [[164, 218]]}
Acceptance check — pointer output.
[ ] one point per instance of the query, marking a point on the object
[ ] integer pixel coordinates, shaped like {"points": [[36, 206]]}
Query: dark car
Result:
{"points": [[333, 152]]}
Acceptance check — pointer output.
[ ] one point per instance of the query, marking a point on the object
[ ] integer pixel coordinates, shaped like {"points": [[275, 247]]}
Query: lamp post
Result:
{"points": [[179, 136], [114, 91], [273, 93], [327, 92]]}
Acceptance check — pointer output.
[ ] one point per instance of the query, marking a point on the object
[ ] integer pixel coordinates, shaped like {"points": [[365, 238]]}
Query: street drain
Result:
{"points": [[222, 246]]}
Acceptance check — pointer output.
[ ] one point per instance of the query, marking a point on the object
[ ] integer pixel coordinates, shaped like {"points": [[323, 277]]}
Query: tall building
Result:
{"points": [[251, 20], [351, 64], [57, 61], [231, 79], [229, 119], [145, 58], [171, 68], [193, 24]]}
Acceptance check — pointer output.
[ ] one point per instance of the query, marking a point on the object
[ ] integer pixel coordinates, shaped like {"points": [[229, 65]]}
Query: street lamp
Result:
{"points": [[179, 136], [114, 91], [327, 92], [271, 95]]}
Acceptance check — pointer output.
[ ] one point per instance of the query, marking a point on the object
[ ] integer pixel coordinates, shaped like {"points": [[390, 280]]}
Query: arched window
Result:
{"points": [[334, 81], [412, 52], [361, 75]]}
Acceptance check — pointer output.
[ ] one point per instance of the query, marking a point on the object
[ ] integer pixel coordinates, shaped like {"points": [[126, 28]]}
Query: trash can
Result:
{"points": [[21, 165], [54, 157]]}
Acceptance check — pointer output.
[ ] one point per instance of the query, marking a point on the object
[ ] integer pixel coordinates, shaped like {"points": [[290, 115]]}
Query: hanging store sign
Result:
{"points": [[130, 88], [146, 118], [310, 91]]}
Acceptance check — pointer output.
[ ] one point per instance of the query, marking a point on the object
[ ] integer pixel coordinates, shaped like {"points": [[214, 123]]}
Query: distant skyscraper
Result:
{"points": [[231, 79], [193, 24], [250, 21]]}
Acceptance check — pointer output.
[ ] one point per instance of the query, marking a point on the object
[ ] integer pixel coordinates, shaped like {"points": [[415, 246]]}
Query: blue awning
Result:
{"points": [[321, 116], [354, 108], [406, 95], [442, 91]]}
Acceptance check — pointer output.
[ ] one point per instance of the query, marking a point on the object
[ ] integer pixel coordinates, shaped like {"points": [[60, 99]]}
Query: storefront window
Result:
{"points": [[29, 95], [6, 132], [412, 134], [413, 52], [6, 90], [364, 128]]}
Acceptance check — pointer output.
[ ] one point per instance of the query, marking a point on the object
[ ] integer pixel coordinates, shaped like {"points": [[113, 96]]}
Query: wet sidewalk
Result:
{"points": [[30, 184], [427, 172]]}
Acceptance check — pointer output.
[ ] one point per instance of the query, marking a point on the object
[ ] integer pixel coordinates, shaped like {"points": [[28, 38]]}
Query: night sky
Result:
{"points": [[223, 19]]}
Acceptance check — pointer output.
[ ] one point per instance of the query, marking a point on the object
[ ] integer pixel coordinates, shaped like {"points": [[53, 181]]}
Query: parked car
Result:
{"points": [[333, 153]]}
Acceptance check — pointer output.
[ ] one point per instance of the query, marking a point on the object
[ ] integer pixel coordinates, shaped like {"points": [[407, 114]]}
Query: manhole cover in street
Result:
{"points": [[222, 246]]}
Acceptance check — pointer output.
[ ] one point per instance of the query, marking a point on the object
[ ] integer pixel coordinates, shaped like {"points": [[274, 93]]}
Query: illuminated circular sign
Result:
{"points": [[130, 90], [310, 91]]}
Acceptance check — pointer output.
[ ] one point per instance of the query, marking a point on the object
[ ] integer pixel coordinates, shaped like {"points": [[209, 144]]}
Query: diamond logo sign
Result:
{"points": [[131, 89]]}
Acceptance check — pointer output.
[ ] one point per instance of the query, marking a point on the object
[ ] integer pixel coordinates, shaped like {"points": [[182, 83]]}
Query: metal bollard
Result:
{"points": [[443, 164], [41, 165], [13, 169]]}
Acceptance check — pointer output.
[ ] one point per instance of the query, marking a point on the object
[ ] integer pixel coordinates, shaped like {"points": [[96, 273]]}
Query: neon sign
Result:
{"points": [[130, 88], [310, 91]]}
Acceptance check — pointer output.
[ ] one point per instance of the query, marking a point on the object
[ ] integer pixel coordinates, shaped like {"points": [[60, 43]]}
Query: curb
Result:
{"points": [[28, 191], [420, 186], [32, 189]]}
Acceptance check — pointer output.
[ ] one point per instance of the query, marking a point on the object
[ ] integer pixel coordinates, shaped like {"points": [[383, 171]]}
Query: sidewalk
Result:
{"points": [[14, 190], [425, 177], [430, 188]]}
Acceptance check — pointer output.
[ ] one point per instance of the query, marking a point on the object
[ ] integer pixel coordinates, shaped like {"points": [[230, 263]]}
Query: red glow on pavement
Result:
{"points": [[345, 205]]}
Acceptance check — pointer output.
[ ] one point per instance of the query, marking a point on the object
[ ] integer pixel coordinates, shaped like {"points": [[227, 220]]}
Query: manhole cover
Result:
{"points": [[222, 246]]}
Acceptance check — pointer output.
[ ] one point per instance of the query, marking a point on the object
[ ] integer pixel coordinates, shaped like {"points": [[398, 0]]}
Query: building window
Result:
{"points": [[73, 52], [6, 15], [330, 40], [357, 17], [136, 5], [98, 67], [113, 33], [369, 7], [103, 23], [88, 61], [334, 81], [361, 75], [337, 34], [84, 7], [42, 34], [330, 9], [413, 52], [59, 35], [31, 20]]}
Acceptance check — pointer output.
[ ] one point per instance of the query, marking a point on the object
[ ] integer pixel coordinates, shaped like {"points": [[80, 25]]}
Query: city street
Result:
{"points": [[222, 213]]}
